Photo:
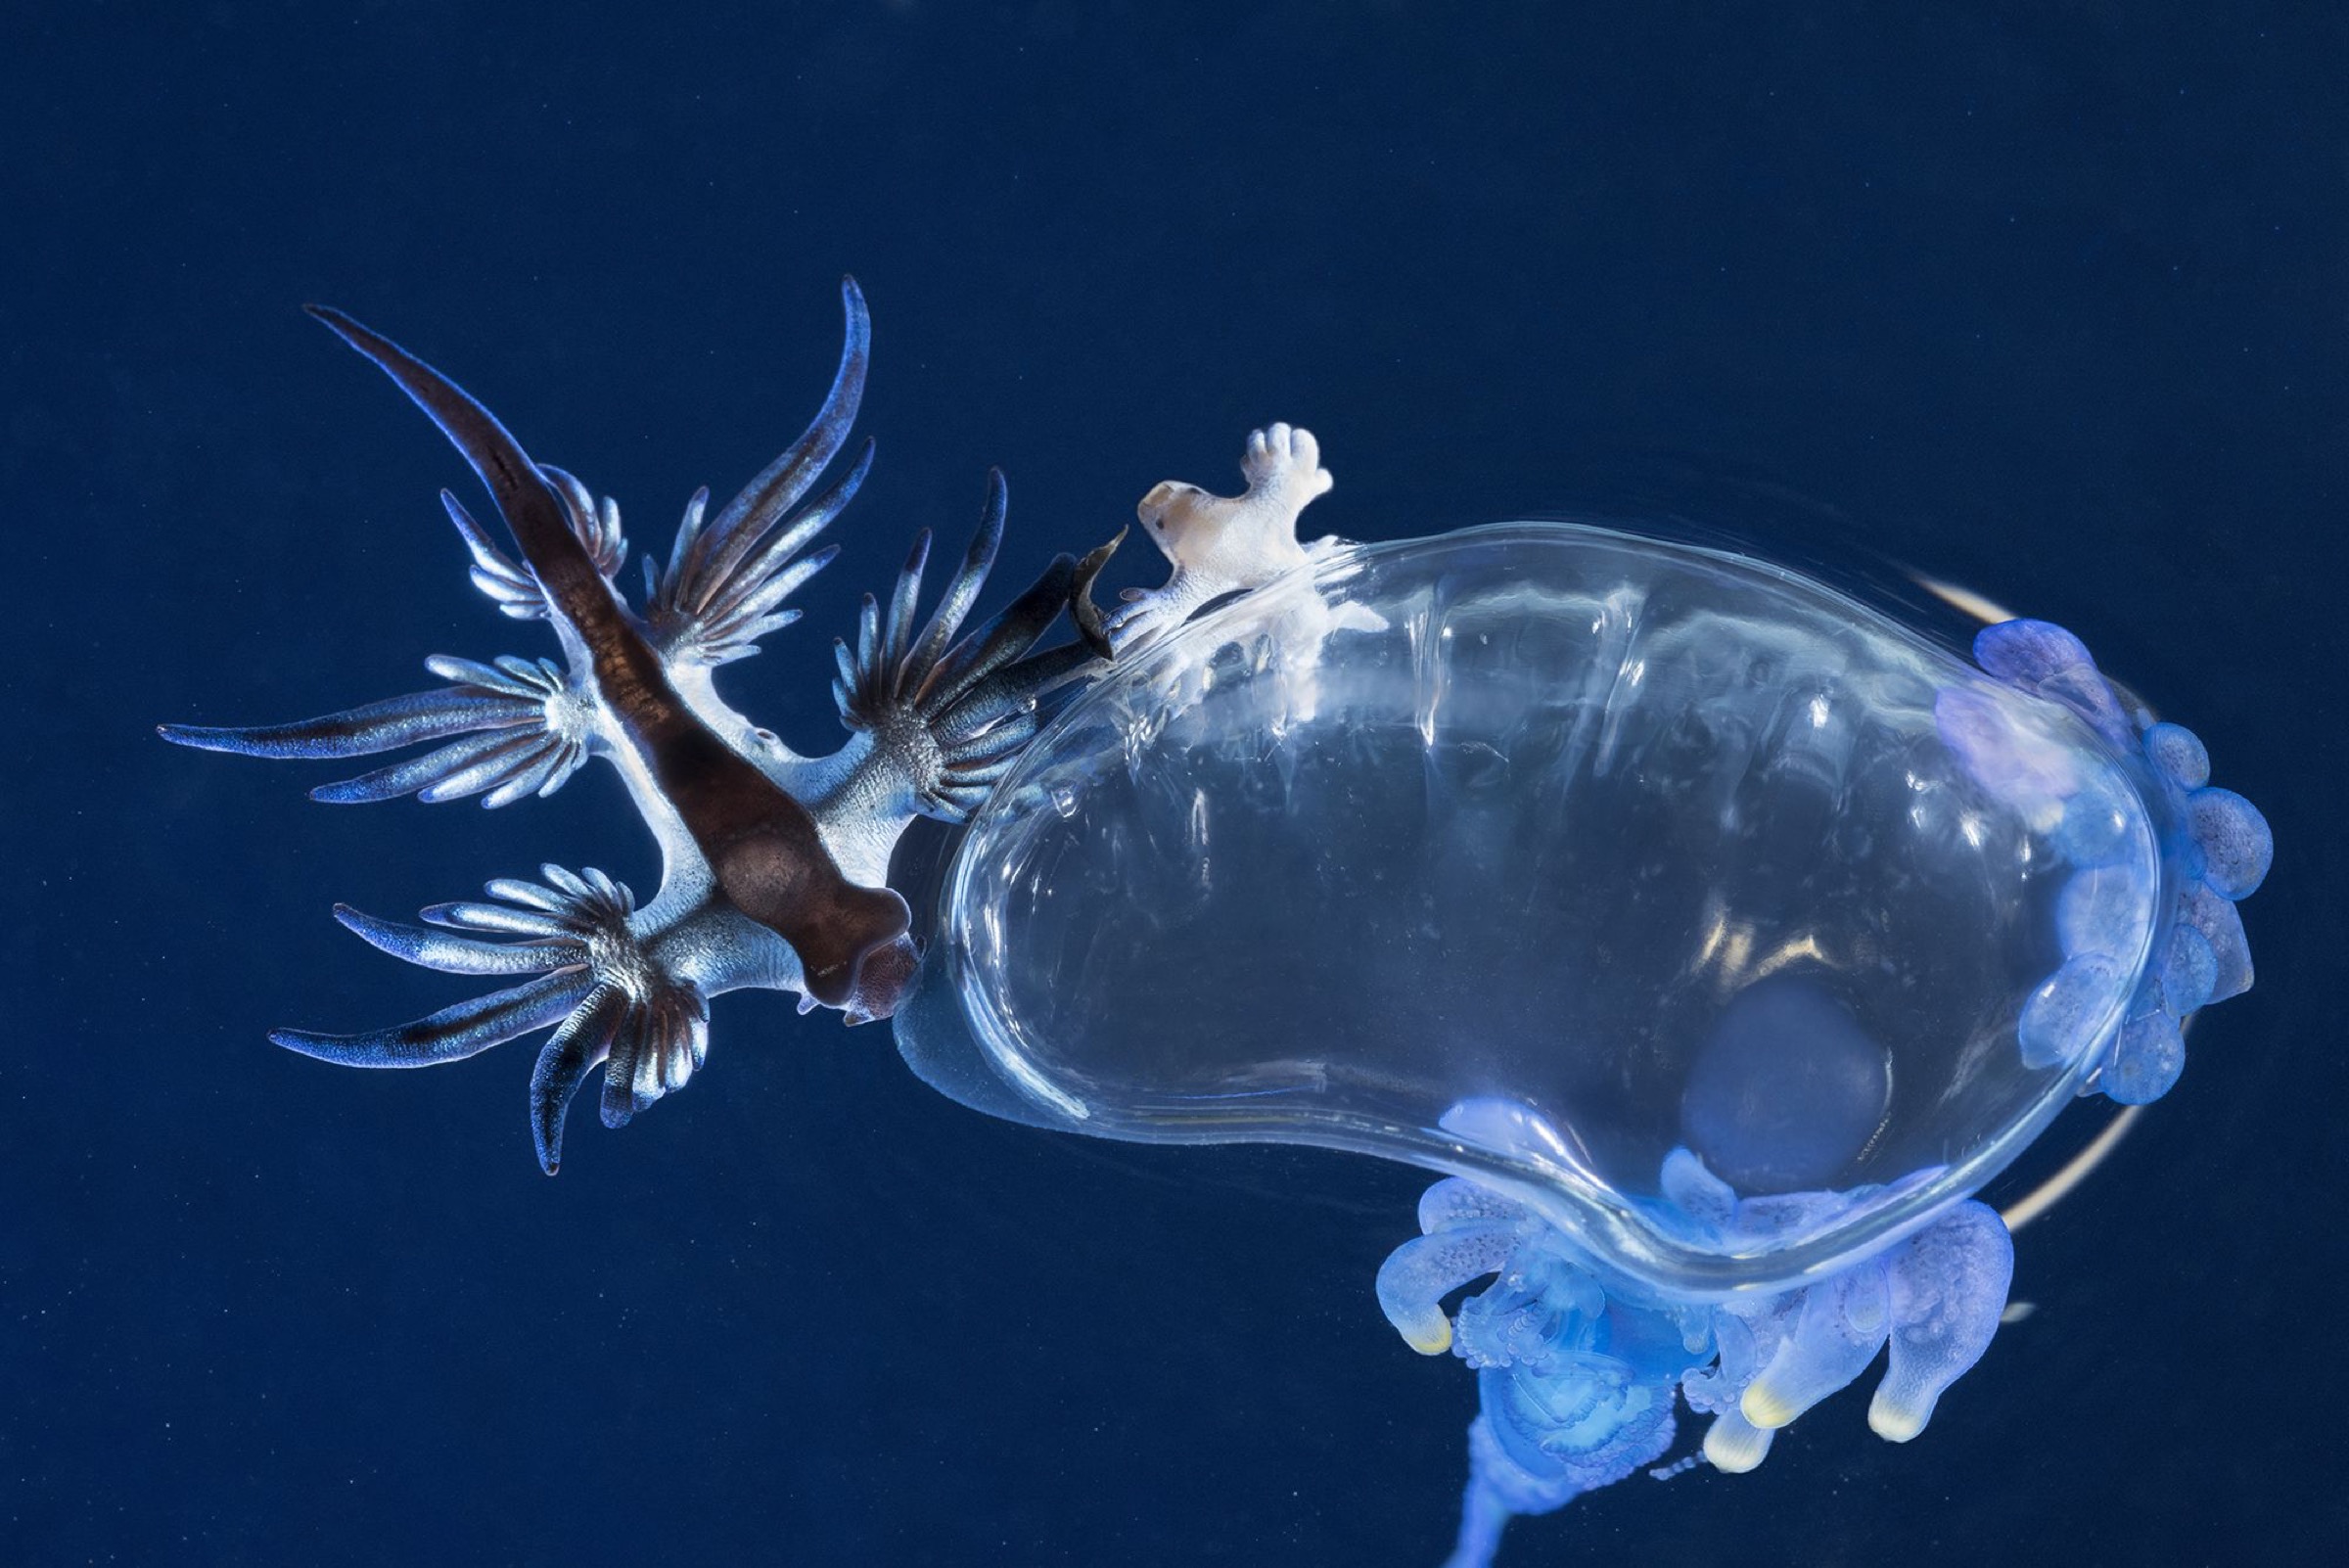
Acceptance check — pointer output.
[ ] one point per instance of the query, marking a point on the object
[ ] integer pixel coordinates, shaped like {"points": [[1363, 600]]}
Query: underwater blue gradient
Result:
{"points": [[2043, 302]]}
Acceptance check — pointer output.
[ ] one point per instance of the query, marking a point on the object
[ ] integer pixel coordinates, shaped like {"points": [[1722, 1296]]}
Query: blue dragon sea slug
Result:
{"points": [[773, 864]]}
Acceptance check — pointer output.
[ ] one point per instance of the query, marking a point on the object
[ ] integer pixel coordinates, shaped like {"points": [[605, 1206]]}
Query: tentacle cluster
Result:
{"points": [[558, 949], [528, 725], [517, 729], [962, 707], [511, 586], [620, 1005], [1577, 1377], [2215, 846], [727, 578]]}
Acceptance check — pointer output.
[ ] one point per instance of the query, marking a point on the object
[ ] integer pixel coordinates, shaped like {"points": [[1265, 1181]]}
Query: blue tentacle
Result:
{"points": [[511, 587], [726, 576], [963, 588], [1011, 691], [979, 696], [540, 774], [597, 524], [758, 567], [451, 767], [710, 613], [513, 590], [1577, 1379], [497, 770], [452, 1034], [578, 1047], [615, 994], [497, 917], [717, 549], [513, 727], [619, 1099], [363, 732], [2216, 852], [903, 602], [459, 955]]}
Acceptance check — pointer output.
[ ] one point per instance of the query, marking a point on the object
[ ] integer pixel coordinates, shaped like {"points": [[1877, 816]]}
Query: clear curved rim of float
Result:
{"points": [[1619, 1239]]}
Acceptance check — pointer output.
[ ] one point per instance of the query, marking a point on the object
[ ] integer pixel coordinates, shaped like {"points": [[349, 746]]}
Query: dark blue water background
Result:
{"points": [[2044, 298]]}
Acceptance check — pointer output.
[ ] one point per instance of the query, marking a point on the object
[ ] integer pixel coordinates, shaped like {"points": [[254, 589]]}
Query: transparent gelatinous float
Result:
{"points": [[1715, 933], [1621, 835]]}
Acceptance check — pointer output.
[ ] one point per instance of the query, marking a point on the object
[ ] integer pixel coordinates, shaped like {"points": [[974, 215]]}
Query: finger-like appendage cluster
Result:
{"points": [[711, 608], [726, 576], [1576, 1384], [2215, 851], [959, 707], [510, 729], [600, 976], [510, 586]]}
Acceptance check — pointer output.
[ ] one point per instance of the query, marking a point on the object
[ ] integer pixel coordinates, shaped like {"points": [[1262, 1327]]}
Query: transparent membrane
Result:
{"points": [[1537, 853]]}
